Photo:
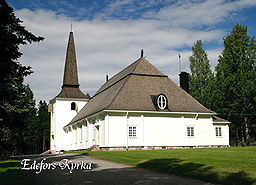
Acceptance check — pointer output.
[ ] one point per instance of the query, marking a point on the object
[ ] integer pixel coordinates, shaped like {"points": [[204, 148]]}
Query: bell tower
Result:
{"points": [[67, 103]]}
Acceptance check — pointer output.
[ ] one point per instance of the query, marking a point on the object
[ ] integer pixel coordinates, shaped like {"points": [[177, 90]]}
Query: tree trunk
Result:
{"points": [[43, 140], [242, 134], [236, 132], [247, 132]]}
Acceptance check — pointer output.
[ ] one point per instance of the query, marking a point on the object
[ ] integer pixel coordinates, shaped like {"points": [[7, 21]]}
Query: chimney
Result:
{"points": [[184, 81], [106, 78], [141, 53]]}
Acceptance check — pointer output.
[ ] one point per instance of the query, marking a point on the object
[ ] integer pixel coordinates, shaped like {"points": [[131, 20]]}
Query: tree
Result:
{"points": [[201, 75], [236, 82], [14, 105], [43, 119], [36, 133]]}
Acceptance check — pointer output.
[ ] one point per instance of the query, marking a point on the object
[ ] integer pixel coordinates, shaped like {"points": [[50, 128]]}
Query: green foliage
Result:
{"points": [[235, 165], [236, 80], [36, 132], [232, 91], [16, 99], [201, 74]]}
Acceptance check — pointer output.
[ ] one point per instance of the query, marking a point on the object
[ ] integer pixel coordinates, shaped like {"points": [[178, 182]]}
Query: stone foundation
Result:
{"points": [[154, 147]]}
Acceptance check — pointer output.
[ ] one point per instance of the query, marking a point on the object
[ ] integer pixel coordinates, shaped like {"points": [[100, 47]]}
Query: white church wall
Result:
{"points": [[160, 130], [151, 130], [137, 122], [106, 130], [117, 130], [53, 128], [90, 133], [102, 137], [62, 115], [84, 135], [200, 127], [224, 138]]}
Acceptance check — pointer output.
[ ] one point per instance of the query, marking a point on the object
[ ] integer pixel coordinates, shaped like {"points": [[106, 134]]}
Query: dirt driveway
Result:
{"points": [[102, 172]]}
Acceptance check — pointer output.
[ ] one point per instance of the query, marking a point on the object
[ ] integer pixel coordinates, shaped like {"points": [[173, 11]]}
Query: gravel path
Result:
{"points": [[102, 172]]}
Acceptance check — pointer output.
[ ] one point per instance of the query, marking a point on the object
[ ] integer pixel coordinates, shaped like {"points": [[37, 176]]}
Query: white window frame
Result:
{"points": [[218, 131], [190, 131], [132, 131]]}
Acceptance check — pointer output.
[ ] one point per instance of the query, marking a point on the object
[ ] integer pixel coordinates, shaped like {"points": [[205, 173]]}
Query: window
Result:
{"points": [[161, 101], [132, 132], [218, 131], [73, 106], [190, 131]]}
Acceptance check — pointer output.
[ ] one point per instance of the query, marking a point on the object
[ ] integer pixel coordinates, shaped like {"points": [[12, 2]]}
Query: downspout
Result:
{"points": [[196, 117]]}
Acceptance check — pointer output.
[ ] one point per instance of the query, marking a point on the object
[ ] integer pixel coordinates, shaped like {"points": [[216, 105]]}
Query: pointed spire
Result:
{"points": [[70, 87], [70, 72]]}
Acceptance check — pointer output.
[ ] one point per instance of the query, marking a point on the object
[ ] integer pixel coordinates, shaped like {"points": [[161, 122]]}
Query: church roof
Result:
{"points": [[70, 87], [135, 88], [217, 120]]}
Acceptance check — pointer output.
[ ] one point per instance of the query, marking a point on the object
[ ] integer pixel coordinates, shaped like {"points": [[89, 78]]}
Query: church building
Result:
{"points": [[138, 108]]}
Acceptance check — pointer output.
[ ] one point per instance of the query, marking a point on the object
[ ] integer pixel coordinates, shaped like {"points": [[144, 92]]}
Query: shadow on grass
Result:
{"points": [[10, 173], [197, 171]]}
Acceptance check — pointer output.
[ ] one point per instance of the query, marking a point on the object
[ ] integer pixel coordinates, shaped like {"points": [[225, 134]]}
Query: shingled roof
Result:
{"points": [[70, 87], [134, 89], [218, 120]]}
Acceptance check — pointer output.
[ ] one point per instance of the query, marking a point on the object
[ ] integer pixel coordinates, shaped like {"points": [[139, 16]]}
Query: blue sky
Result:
{"points": [[109, 35]]}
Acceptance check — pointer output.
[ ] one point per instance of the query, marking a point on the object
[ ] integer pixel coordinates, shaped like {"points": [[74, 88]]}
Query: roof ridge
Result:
{"points": [[124, 78], [109, 81], [128, 76]]}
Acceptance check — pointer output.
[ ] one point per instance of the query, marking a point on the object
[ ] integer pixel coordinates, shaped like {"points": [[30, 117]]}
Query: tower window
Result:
{"points": [[73, 106]]}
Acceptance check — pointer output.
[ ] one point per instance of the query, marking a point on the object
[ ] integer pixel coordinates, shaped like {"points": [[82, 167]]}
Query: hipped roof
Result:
{"points": [[134, 89], [219, 120], [70, 87]]}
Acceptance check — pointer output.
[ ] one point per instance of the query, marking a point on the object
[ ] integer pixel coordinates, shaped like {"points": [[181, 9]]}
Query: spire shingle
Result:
{"points": [[70, 87]]}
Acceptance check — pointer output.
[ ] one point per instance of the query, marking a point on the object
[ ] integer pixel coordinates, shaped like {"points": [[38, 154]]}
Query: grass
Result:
{"points": [[11, 173], [235, 165]]}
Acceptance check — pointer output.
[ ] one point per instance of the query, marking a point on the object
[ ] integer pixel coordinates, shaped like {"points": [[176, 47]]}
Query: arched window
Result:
{"points": [[73, 106]]}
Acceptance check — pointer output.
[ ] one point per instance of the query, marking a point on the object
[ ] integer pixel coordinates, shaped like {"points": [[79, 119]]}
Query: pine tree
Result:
{"points": [[44, 119], [201, 74], [236, 82], [14, 107], [36, 133]]}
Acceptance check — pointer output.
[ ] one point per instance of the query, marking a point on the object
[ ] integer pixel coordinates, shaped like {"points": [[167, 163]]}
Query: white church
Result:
{"points": [[138, 108]]}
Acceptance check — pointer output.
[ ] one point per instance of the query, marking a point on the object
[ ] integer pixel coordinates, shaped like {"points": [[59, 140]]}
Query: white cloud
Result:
{"points": [[107, 46], [188, 14]]}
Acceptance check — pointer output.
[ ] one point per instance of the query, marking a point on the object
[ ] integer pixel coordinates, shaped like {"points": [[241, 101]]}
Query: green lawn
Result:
{"points": [[235, 165], [10, 173]]}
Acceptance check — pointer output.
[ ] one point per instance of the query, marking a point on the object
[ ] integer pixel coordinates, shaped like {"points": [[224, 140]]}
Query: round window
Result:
{"points": [[161, 101]]}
